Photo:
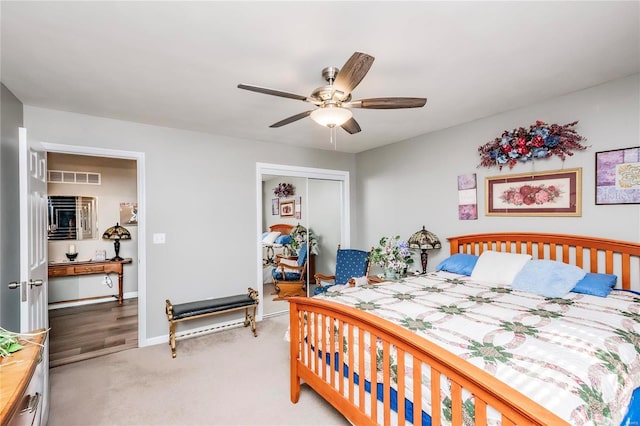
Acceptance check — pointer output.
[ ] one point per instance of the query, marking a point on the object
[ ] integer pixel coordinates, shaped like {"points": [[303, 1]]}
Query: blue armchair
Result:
{"points": [[350, 263], [289, 278]]}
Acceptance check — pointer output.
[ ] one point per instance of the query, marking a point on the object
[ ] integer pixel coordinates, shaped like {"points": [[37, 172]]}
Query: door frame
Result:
{"points": [[142, 247], [306, 172]]}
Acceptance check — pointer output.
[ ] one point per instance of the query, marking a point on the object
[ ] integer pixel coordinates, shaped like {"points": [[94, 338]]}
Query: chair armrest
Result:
{"points": [[320, 277]]}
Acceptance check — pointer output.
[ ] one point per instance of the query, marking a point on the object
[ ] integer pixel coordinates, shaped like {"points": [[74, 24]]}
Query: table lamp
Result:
{"points": [[424, 240], [116, 233]]}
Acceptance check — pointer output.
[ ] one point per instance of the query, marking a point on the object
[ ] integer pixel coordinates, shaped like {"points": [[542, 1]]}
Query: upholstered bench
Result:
{"points": [[202, 308]]}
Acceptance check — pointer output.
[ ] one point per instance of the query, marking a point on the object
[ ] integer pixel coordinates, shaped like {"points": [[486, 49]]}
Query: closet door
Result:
{"points": [[325, 221]]}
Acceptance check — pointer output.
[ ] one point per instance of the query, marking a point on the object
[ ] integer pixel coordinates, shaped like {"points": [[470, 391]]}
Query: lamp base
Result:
{"points": [[116, 259], [424, 256]]}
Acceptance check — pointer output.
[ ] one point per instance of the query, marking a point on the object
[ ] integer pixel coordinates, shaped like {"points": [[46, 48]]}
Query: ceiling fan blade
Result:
{"points": [[292, 119], [352, 72], [271, 92], [351, 126], [387, 103]]}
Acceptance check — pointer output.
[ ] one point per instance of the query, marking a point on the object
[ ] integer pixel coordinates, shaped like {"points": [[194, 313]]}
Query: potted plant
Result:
{"points": [[393, 255], [300, 235]]}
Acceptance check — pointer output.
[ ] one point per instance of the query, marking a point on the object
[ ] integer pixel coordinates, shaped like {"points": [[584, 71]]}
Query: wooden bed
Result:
{"points": [[269, 252], [309, 363]]}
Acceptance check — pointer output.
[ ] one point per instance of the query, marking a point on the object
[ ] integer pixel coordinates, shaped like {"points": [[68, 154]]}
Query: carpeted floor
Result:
{"points": [[225, 378]]}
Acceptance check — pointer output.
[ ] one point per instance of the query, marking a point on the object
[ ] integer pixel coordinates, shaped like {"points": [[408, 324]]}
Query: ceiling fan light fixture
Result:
{"points": [[331, 116]]}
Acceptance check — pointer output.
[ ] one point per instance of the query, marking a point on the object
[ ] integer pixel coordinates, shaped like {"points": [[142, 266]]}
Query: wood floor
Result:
{"points": [[88, 331]]}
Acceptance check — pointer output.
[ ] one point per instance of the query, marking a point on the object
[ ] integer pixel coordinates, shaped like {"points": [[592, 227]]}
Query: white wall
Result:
{"points": [[300, 185], [403, 186], [200, 192]]}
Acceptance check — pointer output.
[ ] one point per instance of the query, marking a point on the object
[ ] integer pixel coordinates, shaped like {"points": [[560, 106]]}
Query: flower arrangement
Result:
{"points": [[530, 194], [299, 236], [392, 254], [541, 140], [284, 190]]}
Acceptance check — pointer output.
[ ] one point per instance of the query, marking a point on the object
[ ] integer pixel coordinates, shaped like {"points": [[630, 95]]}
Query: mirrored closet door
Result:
{"points": [[303, 217]]}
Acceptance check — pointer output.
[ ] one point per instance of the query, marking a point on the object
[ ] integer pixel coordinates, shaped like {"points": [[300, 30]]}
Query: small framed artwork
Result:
{"points": [[128, 214], [275, 206], [467, 197], [552, 193], [287, 208], [618, 176]]}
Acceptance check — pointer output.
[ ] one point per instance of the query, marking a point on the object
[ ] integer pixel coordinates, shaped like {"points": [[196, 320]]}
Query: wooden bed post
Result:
{"points": [[294, 336]]}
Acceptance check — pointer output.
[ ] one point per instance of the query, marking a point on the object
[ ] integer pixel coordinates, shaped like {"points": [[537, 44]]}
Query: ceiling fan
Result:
{"points": [[333, 100]]}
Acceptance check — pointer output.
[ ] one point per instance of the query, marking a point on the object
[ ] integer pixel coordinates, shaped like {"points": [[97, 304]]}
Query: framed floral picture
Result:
{"points": [[618, 176], [287, 208], [551, 193], [275, 206]]}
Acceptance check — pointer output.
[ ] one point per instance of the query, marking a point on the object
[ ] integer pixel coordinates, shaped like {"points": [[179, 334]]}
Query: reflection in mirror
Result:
{"points": [[72, 218]]}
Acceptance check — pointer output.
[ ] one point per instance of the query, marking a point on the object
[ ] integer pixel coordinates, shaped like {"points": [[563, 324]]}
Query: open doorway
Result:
{"points": [[109, 205]]}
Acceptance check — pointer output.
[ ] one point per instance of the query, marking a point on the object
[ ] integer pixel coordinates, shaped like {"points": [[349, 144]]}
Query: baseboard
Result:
{"points": [[70, 304]]}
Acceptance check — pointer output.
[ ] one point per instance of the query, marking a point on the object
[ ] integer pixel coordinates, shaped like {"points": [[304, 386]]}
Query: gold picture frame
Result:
{"points": [[550, 193], [287, 208]]}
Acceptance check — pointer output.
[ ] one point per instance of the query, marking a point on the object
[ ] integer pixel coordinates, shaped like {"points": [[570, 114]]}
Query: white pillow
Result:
{"points": [[288, 262], [271, 238], [498, 267]]}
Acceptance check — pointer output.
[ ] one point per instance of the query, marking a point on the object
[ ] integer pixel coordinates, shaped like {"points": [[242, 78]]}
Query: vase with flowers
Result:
{"points": [[393, 255]]}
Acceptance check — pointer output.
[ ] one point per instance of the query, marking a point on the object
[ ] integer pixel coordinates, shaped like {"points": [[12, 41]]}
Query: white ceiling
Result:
{"points": [[177, 64]]}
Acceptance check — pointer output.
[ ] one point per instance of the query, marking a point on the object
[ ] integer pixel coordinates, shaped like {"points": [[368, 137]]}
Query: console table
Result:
{"points": [[72, 268]]}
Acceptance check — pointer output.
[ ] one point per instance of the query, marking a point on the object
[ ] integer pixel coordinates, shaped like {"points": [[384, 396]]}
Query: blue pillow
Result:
{"points": [[283, 239], [264, 234], [548, 278], [596, 284], [458, 264]]}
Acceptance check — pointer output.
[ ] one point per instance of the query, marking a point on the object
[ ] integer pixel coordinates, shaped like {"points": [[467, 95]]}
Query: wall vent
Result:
{"points": [[63, 176]]}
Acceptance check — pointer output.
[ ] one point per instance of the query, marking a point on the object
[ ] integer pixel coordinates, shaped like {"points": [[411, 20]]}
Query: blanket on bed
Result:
{"points": [[578, 356]]}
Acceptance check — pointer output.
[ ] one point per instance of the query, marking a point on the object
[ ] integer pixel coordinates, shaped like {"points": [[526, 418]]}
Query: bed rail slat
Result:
{"points": [[374, 382], [401, 385], [361, 391], [417, 393], [456, 404], [386, 381]]}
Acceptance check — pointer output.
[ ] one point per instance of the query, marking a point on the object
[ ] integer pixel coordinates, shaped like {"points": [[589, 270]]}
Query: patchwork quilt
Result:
{"points": [[578, 356]]}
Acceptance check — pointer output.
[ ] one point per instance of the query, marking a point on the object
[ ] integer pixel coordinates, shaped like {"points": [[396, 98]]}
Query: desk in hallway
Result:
{"points": [[72, 268]]}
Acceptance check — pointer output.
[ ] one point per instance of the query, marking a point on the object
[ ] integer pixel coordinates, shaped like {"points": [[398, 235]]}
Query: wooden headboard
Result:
{"points": [[282, 228], [592, 254]]}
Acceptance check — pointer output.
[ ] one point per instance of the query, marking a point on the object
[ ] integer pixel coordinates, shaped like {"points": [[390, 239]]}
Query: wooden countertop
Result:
{"points": [[15, 373]]}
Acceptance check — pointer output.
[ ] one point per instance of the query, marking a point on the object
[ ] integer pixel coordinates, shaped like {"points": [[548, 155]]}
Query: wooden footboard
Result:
{"points": [[330, 373]]}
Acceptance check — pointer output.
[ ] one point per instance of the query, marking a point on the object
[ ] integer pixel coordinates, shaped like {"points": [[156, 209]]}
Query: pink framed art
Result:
{"points": [[551, 193]]}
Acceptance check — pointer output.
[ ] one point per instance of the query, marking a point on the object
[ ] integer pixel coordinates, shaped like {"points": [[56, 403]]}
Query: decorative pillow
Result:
{"points": [[548, 278], [596, 284], [289, 262], [271, 238], [460, 263], [498, 267], [283, 239], [360, 281]]}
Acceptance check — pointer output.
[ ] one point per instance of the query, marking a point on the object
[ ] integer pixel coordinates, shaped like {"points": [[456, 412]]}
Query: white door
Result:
{"points": [[33, 253]]}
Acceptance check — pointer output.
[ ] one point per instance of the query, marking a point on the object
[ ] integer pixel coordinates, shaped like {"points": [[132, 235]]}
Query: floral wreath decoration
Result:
{"points": [[284, 190], [541, 140]]}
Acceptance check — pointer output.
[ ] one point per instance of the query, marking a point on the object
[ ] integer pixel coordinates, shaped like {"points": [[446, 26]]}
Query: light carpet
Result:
{"points": [[224, 378]]}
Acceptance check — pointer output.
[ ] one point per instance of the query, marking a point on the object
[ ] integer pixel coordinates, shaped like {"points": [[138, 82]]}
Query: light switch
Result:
{"points": [[158, 238]]}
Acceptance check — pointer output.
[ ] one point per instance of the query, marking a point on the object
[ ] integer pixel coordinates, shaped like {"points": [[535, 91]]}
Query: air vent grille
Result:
{"points": [[64, 176]]}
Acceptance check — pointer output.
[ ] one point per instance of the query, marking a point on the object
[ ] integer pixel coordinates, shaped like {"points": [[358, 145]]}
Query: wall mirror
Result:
{"points": [[72, 217]]}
